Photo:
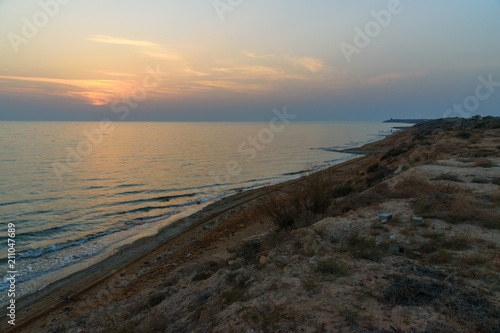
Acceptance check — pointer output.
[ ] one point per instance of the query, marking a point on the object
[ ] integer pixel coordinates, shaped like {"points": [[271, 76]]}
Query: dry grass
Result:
{"points": [[365, 248], [451, 177], [473, 259], [265, 316], [454, 205], [332, 267], [458, 243], [284, 211], [483, 163], [317, 190], [469, 308], [440, 257]]}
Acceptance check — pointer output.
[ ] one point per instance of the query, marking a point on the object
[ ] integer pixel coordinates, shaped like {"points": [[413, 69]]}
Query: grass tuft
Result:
{"points": [[332, 267]]}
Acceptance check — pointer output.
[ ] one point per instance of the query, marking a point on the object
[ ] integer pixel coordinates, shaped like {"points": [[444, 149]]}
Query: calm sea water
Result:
{"points": [[71, 195]]}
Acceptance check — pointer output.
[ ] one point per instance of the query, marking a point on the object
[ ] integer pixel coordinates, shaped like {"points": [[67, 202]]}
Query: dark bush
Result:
{"points": [[393, 152], [283, 211], [379, 176], [372, 168], [332, 267], [464, 135], [342, 191]]}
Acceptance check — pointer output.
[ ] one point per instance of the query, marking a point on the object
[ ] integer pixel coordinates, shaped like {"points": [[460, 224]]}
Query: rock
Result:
{"points": [[417, 221], [313, 260], [399, 169], [290, 281], [263, 260], [396, 250], [237, 262], [387, 217]]}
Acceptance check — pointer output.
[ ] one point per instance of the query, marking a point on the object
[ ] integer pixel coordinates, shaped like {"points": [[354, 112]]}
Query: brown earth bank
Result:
{"points": [[314, 255]]}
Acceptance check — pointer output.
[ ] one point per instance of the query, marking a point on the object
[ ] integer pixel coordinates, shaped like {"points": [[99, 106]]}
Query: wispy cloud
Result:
{"points": [[116, 74], [145, 47], [258, 56], [121, 41], [94, 92], [387, 78], [314, 65]]}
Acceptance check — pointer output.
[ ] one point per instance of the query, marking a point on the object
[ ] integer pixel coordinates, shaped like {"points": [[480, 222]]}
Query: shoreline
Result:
{"points": [[128, 257]]}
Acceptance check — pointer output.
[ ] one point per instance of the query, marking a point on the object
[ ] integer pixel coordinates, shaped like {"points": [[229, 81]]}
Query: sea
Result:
{"points": [[74, 190]]}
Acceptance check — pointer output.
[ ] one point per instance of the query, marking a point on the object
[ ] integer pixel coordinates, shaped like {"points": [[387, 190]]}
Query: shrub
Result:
{"points": [[367, 198], [342, 191], [457, 243], [200, 276], [393, 152], [448, 177], [472, 260], [483, 163], [248, 249], [379, 176], [283, 211], [156, 299], [372, 168], [317, 187], [410, 292], [332, 267], [479, 180], [440, 257], [365, 248], [463, 135]]}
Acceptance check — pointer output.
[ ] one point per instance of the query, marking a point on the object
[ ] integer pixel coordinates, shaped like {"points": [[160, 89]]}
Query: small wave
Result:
{"points": [[94, 187], [293, 173], [45, 232], [165, 198], [35, 253], [29, 201], [151, 208], [128, 185], [36, 212]]}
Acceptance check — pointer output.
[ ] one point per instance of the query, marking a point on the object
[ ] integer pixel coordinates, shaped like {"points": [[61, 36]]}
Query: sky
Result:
{"points": [[236, 60]]}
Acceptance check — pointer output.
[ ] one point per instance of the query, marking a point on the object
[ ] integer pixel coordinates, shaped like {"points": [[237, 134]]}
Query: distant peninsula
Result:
{"points": [[406, 121]]}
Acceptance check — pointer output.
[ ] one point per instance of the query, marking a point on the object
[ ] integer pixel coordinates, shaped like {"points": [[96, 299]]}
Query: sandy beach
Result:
{"points": [[228, 268]]}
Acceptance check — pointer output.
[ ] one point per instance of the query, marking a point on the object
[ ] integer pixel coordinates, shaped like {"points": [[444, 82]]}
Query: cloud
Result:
{"points": [[147, 48], [257, 56], [387, 78], [121, 41], [93, 92], [314, 65], [116, 74]]}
